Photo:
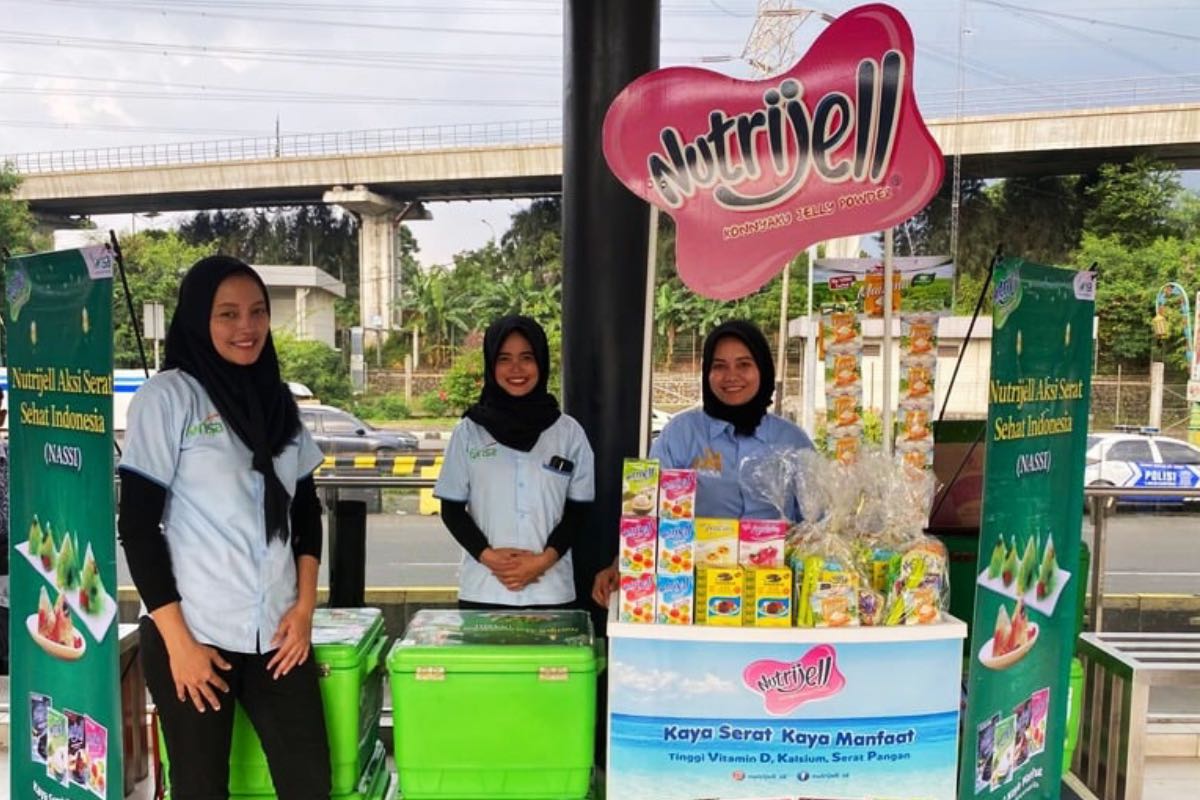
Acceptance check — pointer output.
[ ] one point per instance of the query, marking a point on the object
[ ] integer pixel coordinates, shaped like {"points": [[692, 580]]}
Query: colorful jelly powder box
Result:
{"points": [[639, 540], [76, 749], [1039, 707], [677, 494], [676, 546], [716, 542], [637, 598], [719, 595], [639, 488], [985, 753], [56, 746], [1006, 738], [761, 542], [676, 597], [39, 706], [768, 597], [97, 753]]}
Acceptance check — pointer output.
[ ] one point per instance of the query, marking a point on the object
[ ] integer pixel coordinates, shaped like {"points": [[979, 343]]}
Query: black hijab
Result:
{"points": [[748, 415], [252, 400], [515, 422]]}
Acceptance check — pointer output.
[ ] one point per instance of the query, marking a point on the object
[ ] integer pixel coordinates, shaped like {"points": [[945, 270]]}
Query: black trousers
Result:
{"points": [[287, 714]]}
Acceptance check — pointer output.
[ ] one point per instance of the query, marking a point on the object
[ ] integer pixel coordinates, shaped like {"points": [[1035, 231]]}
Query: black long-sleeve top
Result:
{"points": [[140, 528], [464, 530]]}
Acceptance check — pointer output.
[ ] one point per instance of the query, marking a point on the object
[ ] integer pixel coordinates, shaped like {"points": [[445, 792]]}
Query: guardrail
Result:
{"points": [[938, 106]]}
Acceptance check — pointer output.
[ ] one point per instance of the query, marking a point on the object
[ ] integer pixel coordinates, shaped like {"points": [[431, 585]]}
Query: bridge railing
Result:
{"points": [[303, 145], [943, 106]]}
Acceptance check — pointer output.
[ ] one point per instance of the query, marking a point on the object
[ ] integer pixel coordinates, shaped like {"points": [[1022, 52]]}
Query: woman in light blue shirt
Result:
{"points": [[221, 527], [732, 425], [516, 480]]}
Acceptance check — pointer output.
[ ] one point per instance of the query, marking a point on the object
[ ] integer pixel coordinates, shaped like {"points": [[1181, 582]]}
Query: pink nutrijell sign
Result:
{"points": [[755, 171], [786, 686]]}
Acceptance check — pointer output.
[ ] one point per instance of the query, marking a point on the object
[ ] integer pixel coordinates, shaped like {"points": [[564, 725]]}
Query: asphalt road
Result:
{"points": [[1147, 552]]}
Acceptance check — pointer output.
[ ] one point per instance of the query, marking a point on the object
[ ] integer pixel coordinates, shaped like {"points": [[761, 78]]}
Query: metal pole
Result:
{"points": [[648, 337], [810, 352], [781, 358], [889, 246], [1099, 508]]}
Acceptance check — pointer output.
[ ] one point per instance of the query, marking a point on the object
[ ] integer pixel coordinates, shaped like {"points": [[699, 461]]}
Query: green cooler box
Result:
{"points": [[348, 644], [489, 705]]}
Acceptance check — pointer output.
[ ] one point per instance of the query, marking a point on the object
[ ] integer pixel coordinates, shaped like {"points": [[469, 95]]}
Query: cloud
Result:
{"points": [[667, 683]]}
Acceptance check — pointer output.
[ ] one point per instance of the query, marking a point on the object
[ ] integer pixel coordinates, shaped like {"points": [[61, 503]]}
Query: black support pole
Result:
{"points": [[605, 234]]}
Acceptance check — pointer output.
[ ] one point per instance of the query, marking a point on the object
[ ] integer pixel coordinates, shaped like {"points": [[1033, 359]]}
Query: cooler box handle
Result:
{"points": [[372, 661]]}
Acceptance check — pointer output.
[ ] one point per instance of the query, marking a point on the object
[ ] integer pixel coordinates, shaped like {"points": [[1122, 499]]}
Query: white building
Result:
{"points": [[302, 299]]}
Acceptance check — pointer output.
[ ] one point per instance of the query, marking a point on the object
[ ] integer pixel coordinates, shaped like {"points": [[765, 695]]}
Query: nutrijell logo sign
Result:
{"points": [[785, 686], [754, 171]]}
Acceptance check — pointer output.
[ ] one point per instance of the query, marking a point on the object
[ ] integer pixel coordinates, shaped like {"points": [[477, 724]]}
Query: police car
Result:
{"points": [[1142, 459]]}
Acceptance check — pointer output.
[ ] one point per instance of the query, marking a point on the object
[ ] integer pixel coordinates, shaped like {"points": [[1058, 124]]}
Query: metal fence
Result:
{"points": [[943, 106]]}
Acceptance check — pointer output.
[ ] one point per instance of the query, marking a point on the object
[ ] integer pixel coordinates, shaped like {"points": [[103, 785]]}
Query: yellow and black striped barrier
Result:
{"points": [[398, 466], [417, 466]]}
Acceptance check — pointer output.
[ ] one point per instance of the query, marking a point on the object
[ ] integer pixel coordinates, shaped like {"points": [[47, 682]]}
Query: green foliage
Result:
{"points": [[16, 222], [315, 364], [434, 403], [462, 383], [1132, 202], [155, 262], [382, 407]]}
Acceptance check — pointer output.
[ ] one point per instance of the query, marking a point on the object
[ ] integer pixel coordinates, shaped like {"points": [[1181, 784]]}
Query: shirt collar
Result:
{"points": [[717, 427]]}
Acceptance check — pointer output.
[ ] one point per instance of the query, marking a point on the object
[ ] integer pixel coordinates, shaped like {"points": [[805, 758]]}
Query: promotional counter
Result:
{"points": [[742, 713]]}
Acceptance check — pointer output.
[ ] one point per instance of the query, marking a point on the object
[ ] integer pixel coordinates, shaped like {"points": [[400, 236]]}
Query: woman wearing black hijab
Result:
{"points": [[733, 424], [221, 527], [516, 479]]}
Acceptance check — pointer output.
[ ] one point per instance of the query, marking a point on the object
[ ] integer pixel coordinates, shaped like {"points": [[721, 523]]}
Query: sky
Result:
{"points": [[81, 74]]}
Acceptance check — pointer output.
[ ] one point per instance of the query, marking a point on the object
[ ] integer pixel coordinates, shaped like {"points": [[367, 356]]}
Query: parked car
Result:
{"points": [[339, 432], [1142, 459]]}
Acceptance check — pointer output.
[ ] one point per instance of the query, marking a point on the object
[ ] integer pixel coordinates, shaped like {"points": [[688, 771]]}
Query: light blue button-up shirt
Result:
{"points": [[694, 440], [517, 500], [234, 588]]}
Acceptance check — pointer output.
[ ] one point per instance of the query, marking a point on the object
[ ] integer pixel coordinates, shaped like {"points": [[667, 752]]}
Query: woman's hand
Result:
{"points": [[516, 569], [194, 666], [293, 638], [605, 583]]}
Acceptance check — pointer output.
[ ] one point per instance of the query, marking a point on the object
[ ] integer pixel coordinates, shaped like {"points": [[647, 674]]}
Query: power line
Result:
{"points": [[99, 126], [1092, 20], [253, 96]]}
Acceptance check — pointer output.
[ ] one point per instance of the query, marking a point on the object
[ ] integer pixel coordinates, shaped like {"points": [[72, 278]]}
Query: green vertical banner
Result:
{"points": [[65, 698], [1023, 637]]}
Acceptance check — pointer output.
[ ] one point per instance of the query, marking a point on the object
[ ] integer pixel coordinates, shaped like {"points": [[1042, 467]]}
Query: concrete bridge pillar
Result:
{"points": [[378, 268]]}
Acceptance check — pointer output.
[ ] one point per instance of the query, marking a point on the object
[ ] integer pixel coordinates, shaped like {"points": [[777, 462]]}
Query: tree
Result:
{"points": [[315, 364], [1132, 201], [16, 221], [155, 262]]}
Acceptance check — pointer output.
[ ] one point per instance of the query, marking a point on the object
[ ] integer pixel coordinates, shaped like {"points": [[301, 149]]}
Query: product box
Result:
{"points": [[676, 596], [719, 595], [39, 708], [56, 746], [76, 749], [761, 542], [97, 756], [676, 546], [716, 542], [639, 488], [677, 494], [637, 598], [639, 540], [768, 597]]}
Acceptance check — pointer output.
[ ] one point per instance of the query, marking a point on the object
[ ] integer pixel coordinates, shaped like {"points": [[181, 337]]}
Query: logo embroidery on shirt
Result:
{"points": [[476, 453], [210, 426], [708, 461]]}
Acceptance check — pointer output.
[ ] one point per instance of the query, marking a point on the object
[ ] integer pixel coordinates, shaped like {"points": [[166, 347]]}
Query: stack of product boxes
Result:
{"points": [[676, 569]]}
